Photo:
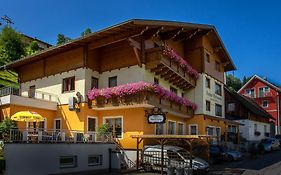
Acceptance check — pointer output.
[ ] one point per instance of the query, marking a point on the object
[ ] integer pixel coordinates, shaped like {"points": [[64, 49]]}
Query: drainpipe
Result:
{"points": [[278, 113]]}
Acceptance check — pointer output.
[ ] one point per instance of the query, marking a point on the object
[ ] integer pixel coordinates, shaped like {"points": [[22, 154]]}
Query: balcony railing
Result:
{"points": [[265, 94], [31, 94], [168, 69], [144, 98], [56, 136], [9, 91]]}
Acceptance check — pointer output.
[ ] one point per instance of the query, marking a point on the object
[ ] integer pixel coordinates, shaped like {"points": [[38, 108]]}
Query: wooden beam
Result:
{"points": [[152, 32], [114, 39], [134, 43], [186, 35], [170, 34], [136, 51]]}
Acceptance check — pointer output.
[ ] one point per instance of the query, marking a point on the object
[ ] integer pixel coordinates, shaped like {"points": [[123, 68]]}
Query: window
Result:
{"points": [[265, 129], [112, 81], [208, 83], [115, 126], [174, 90], [263, 90], [231, 107], [68, 84], [156, 81], [210, 131], [217, 66], [42, 125], [232, 128], [180, 129], [68, 161], [171, 127], [208, 57], [94, 160], [95, 83], [31, 92], [208, 105], [265, 103], [182, 94], [92, 124], [250, 92], [57, 124], [255, 127], [193, 129], [160, 128], [218, 110], [218, 89]]}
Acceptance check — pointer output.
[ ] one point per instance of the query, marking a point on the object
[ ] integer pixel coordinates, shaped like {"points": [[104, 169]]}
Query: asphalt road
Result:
{"points": [[260, 162]]}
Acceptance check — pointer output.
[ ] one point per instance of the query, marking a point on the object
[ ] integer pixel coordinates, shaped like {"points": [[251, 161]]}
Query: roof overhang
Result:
{"points": [[122, 31]]}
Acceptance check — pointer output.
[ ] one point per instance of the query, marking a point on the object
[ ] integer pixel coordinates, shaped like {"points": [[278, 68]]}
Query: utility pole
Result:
{"points": [[7, 20]]}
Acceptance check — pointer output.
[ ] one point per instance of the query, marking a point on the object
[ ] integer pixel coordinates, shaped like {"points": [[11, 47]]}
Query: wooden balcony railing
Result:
{"points": [[145, 99], [168, 69]]}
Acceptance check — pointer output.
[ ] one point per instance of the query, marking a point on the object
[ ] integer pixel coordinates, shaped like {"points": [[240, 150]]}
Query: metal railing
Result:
{"points": [[9, 91], [56, 136], [31, 94]]}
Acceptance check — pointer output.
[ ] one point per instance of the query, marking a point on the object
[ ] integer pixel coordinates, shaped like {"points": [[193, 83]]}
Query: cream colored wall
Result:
{"points": [[53, 84], [200, 94]]}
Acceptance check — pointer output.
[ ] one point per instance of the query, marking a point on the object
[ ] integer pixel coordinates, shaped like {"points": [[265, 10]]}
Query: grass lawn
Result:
{"points": [[9, 78]]}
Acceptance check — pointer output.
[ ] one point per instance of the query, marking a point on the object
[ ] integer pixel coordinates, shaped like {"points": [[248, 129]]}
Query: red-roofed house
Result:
{"points": [[266, 94]]}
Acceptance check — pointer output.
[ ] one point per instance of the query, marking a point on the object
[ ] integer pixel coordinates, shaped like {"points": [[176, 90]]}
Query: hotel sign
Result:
{"points": [[156, 118]]}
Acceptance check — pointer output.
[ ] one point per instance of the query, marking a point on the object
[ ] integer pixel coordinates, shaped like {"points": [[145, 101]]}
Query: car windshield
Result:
{"points": [[185, 154]]}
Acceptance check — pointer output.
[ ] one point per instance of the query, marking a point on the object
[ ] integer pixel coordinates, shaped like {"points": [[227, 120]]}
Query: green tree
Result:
{"points": [[62, 39], [233, 83], [32, 48], [245, 80], [86, 32], [11, 45], [5, 127]]}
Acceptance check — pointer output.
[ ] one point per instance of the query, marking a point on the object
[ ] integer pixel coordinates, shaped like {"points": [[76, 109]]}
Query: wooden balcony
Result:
{"points": [[141, 100], [168, 69]]}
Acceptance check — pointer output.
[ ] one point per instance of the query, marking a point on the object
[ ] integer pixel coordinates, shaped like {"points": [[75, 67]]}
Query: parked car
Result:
{"points": [[270, 144], [233, 155], [173, 157], [217, 153], [278, 137]]}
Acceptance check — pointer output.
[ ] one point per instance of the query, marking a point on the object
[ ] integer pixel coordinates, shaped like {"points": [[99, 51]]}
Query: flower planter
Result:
{"points": [[100, 102], [115, 101]]}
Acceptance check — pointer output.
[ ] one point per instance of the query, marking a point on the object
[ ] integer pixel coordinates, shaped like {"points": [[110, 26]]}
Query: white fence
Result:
{"points": [[56, 136]]}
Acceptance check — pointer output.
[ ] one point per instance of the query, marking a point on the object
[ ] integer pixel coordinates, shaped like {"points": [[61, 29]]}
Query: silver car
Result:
{"points": [[270, 144]]}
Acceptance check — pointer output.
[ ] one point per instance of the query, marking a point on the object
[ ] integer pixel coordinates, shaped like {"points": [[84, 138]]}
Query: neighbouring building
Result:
{"points": [[42, 44], [119, 74], [266, 94], [255, 121]]}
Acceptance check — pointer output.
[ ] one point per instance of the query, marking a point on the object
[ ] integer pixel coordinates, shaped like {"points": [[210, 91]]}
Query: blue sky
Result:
{"points": [[250, 29]]}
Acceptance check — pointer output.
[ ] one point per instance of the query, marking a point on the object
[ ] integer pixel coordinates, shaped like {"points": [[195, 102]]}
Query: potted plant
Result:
{"points": [[104, 132], [5, 126]]}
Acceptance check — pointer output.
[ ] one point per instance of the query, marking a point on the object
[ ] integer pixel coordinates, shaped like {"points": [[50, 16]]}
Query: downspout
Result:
{"points": [[278, 113]]}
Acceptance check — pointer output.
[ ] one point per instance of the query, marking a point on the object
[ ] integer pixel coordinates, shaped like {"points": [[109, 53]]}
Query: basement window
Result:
{"points": [[68, 161], [94, 160]]}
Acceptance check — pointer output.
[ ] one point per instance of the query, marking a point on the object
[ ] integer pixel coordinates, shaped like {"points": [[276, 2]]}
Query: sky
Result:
{"points": [[250, 29]]}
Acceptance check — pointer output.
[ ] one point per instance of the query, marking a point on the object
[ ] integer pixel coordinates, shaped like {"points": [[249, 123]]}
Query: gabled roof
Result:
{"points": [[250, 104], [261, 79], [131, 28]]}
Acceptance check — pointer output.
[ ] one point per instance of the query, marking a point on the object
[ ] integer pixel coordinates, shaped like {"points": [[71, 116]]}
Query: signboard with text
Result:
{"points": [[156, 118]]}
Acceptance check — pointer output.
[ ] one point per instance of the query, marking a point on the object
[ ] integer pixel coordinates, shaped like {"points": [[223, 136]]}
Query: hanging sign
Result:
{"points": [[156, 116]]}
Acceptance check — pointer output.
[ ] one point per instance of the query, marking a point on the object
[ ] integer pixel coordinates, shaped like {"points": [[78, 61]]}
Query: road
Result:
{"points": [[237, 167]]}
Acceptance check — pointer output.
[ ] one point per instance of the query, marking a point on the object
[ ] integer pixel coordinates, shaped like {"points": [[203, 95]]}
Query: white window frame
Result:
{"points": [[250, 90], [189, 128], [93, 117], [55, 123], [164, 128], [263, 105], [175, 131], [214, 130], [122, 123], [96, 164], [183, 128]]}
